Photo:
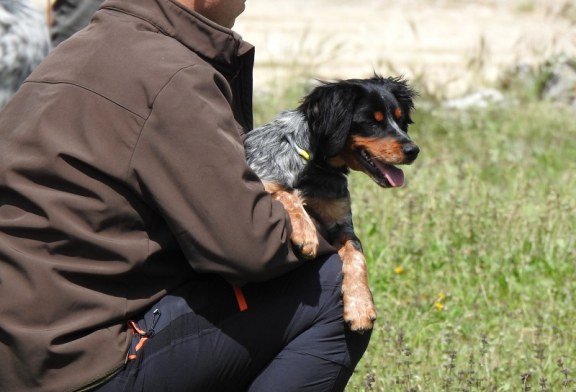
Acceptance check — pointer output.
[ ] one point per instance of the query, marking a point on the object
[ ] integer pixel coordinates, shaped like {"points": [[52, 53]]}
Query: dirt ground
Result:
{"points": [[452, 44]]}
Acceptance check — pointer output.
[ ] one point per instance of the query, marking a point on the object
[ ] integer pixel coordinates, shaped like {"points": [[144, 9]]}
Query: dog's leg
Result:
{"points": [[304, 236], [336, 216], [359, 309]]}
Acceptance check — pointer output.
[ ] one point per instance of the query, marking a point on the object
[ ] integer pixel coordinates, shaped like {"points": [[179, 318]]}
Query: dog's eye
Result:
{"points": [[398, 113], [379, 116]]}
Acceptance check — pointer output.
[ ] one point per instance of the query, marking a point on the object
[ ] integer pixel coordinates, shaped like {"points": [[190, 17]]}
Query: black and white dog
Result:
{"points": [[303, 158]]}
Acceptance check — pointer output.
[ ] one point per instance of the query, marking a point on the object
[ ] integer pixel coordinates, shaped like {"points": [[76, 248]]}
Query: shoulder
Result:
{"points": [[130, 73]]}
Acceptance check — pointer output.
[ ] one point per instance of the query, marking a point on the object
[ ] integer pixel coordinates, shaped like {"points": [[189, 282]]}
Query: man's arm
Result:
{"points": [[190, 161]]}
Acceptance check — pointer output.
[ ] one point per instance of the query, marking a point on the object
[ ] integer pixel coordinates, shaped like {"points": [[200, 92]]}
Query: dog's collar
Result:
{"points": [[307, 155], [303, 153]]}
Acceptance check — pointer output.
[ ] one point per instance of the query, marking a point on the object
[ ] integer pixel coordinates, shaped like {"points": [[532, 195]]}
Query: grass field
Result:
{"points": [[473, 262]]}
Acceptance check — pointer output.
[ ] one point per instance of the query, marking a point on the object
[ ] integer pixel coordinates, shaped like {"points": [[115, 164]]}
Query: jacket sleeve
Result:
{"points": [[190, 162]]}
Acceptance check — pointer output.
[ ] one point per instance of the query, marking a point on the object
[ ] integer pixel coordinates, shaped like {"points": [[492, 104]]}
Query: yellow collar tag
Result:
{"points": [[303, 153]]}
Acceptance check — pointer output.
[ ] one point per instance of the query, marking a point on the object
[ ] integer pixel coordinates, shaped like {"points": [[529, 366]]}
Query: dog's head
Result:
{"points": [[363, 124]]}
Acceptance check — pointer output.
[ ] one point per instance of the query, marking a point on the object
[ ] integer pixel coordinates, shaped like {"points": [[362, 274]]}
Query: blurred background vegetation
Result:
{"points": [[473, 262]]}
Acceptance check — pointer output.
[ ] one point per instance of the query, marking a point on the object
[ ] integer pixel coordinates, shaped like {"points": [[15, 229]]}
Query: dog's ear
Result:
{"points": [[405, 95], [329, 110]]}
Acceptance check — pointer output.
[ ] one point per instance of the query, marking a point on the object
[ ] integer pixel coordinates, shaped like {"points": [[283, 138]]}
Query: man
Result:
{"points": [[138, 251]]}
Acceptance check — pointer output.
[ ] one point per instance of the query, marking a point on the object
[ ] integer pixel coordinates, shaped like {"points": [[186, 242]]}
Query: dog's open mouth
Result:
{"points": [[384, 174]]}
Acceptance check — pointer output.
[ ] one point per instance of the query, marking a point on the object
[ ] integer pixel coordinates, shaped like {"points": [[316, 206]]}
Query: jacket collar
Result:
{"points": [[209, 40]]}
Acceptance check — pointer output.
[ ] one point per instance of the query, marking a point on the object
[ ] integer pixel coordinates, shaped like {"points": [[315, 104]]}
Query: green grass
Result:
{"points": [[473, 262]]}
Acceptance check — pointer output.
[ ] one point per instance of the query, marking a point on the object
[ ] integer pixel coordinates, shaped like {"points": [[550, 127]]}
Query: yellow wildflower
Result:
{"points": [[439, 303]]}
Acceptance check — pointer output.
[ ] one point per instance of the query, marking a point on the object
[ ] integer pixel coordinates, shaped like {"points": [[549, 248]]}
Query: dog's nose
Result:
{"points": [[410, 151]]}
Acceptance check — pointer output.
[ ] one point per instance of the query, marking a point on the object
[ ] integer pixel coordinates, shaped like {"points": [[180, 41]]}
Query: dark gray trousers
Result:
{"points": [[290, 338]]}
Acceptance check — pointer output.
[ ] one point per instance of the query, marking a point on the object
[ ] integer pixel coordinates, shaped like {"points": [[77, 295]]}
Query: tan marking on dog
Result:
{"points": [[359, 309], [385, 150], [304, 236], [273, 187], [337, 162], [379, 116], [329, 211]]}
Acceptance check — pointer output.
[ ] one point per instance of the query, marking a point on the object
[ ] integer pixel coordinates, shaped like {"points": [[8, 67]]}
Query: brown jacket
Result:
{"points": [[122, 174]]}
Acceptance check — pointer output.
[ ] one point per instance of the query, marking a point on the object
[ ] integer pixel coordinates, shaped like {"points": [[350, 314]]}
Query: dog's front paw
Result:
{"points": [[304, 236], [359, 309]]}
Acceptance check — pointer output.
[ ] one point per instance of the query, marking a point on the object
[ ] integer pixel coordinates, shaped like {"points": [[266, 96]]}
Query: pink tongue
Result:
{"points": [[394, 175]]}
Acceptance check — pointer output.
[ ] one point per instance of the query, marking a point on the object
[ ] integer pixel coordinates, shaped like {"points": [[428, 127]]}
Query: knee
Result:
{"points": [[322, 275], [330, 271], [357, 344]]}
